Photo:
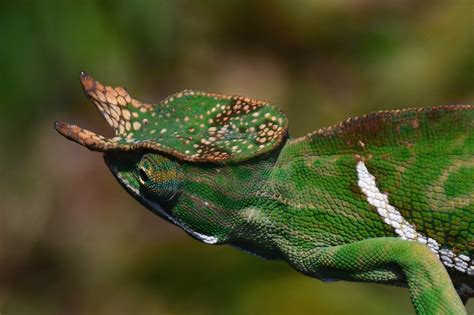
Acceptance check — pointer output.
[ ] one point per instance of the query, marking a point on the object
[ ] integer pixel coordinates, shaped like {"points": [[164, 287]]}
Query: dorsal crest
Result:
{"points": [[190, 125], [405, 127]]}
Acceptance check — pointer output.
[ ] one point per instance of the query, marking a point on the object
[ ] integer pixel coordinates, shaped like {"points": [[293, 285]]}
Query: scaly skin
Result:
{"points": [[385, 198]]}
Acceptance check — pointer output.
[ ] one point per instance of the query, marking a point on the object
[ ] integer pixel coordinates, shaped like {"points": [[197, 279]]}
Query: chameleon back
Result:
{"points": [[406, 173]]}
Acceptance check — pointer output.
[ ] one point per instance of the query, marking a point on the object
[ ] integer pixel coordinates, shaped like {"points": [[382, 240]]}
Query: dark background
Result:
{"points": [[73, 242]]}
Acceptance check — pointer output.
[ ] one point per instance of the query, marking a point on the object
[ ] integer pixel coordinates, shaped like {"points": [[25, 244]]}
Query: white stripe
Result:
{"points": [[402, 227]]}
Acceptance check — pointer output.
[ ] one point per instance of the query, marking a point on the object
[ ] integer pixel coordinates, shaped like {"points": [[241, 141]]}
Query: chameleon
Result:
{"points": [[386, 198]]}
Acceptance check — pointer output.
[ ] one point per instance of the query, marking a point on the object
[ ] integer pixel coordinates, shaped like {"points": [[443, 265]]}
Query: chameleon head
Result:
{"points": [[170, 155], [158, 182]]}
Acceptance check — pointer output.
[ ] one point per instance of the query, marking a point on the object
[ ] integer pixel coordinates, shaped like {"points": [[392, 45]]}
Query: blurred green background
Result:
{"points": [[73, 242]]}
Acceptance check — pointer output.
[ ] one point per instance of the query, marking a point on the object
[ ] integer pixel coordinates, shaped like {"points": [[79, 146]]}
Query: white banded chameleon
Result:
{"points": [[385, 198]]}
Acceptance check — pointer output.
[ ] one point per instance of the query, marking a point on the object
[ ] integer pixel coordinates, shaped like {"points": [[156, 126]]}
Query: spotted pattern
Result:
{"points": [[194, 126]]}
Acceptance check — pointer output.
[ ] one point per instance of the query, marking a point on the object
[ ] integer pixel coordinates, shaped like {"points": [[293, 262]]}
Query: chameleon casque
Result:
{"points": [[384, 198]]}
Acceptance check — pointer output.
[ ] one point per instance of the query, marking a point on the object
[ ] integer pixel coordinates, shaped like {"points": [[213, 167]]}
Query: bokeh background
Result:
{"points": [[73, 242]]}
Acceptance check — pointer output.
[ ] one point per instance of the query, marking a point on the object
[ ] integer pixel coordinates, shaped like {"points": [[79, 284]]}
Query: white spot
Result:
{"points": [[163, 130], [136, 125]]}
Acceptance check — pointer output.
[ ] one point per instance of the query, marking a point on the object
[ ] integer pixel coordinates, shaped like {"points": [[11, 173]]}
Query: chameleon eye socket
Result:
{"points": [[143, 175], [160, 178]]}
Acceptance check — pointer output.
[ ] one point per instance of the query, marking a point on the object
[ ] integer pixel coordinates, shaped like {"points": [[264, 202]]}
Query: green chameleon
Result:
{"points": [[384, 198]]}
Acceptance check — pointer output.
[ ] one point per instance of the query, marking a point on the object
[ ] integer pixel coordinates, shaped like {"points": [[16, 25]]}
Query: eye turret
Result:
{"points": [[160, 178]]}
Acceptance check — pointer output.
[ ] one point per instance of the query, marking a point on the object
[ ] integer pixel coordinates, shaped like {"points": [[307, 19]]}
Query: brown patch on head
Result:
{"points": [[87, 138], [89, 84], [114, 103]]}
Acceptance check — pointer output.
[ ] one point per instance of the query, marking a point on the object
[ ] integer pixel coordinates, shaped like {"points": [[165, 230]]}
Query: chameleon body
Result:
{"points": [[384, 198]]}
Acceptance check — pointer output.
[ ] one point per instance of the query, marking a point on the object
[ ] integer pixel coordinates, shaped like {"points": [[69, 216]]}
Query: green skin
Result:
{"points": [[308, 200]]}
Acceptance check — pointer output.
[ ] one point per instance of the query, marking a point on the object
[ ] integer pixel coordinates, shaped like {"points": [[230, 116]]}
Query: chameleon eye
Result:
{"points": [[161, 179], [143, 175]]}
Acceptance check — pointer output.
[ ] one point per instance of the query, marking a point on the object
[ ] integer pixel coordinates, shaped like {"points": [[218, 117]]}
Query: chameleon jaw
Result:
{"points": [[157, 208]]}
